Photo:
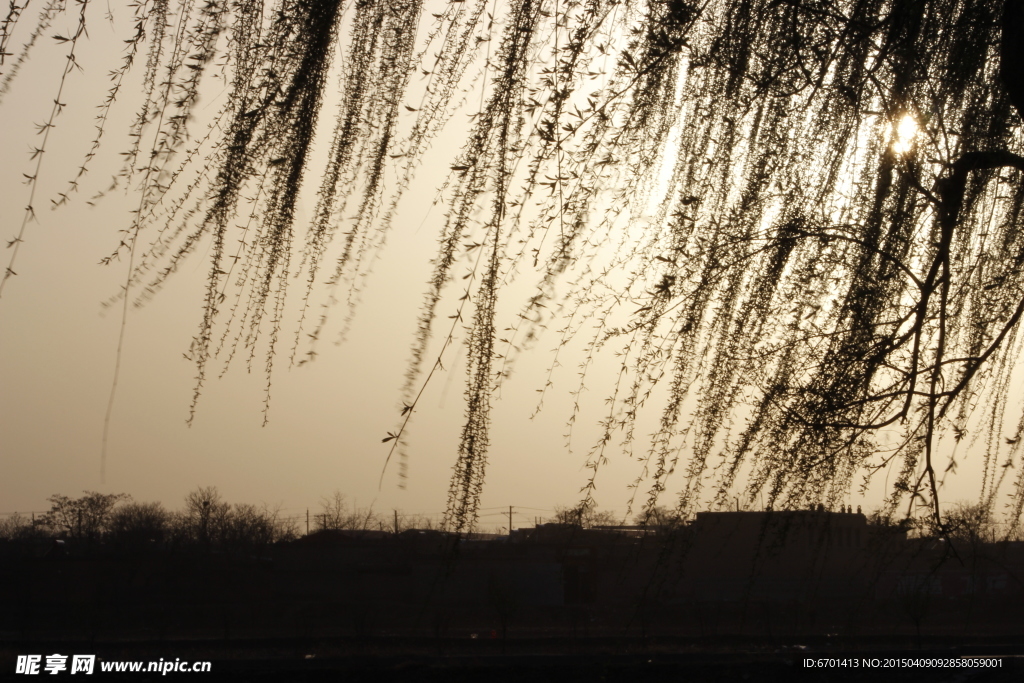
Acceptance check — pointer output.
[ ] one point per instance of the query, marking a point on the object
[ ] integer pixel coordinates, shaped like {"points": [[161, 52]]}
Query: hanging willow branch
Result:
{"points": [[796, 223]]}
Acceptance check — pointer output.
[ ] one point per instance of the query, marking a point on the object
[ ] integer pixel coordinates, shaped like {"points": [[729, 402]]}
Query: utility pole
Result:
{"points": [[307, 521], [509, 520], [396, 522]]}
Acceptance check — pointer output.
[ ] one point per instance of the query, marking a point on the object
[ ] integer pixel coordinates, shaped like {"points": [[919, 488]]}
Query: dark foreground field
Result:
{"points": [[727, 598], [589, 660]]}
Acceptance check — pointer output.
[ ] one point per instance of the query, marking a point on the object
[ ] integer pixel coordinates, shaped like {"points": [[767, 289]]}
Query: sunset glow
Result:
{"points": [[905, 133]]}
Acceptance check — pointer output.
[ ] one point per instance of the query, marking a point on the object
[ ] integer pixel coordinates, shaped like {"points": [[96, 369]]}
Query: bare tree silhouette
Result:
{"points": [[797, 222]]}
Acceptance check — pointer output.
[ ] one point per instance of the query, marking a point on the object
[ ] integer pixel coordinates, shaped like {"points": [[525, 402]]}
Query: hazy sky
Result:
{"points": [[327, 419]]}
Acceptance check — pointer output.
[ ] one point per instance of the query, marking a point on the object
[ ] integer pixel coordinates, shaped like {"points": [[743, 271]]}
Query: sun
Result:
{"points": [[904, 133]]}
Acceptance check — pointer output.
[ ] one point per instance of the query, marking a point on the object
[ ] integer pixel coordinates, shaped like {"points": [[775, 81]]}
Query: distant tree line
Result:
{"points": [[207, 520], [118, 520]]}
